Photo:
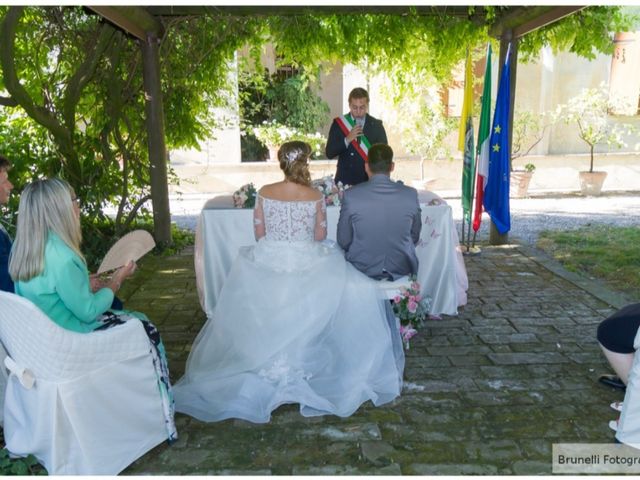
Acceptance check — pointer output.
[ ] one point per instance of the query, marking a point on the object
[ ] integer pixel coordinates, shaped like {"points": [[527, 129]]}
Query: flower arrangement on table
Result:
{"points": [[412, 309], [332, 192], [245, 196]]}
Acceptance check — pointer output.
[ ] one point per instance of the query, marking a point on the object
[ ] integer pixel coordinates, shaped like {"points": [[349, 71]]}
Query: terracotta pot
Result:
{"points": [[519, 186], [591, 182]]}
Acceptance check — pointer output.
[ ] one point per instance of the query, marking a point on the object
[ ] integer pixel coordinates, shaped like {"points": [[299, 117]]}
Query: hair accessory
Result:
{"points": [[293, 155]]}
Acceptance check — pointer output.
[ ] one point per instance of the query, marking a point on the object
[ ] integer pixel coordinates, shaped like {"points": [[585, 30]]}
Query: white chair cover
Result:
{"points": [[94, 407], [629, 423]]}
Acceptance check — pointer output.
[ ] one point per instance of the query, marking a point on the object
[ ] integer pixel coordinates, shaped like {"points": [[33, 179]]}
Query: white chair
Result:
{"points": [[629, 424], [82, 403]]}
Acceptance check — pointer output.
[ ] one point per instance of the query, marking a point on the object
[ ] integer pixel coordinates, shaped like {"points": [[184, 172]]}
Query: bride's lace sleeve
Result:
{"points": [[321, 220], [258, 219]]}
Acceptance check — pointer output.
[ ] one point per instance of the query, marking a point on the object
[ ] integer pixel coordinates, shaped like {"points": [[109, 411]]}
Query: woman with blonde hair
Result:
{"points": [[49, 269], [294, 323]]}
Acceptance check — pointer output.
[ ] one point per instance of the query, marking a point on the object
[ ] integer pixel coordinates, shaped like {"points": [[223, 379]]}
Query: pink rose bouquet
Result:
{"points": [[411, 309]]}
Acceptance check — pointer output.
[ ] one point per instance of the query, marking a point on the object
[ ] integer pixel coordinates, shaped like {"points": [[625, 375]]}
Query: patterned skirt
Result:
{"points": [[112, 319]]}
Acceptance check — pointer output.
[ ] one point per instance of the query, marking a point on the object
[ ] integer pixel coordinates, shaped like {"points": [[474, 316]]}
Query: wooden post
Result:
{"points": [[495, 237], [156, 141]]}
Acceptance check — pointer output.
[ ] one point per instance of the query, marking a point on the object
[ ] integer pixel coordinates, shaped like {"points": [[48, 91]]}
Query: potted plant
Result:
{"points": [[275, 110], [528, 131], [273, 134], [589, 111]]}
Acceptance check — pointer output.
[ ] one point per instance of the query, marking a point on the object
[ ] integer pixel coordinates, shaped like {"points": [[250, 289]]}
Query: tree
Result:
{"points": [[425, 127], [589, 111], [274, 110], [79, 79], [528, 131]]}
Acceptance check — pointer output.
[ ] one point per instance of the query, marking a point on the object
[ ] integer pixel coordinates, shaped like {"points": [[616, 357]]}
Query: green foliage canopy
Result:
{"points": [[71, 86]]}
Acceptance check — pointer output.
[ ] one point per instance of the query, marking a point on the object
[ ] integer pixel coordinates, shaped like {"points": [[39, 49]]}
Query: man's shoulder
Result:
{"points": [[370, 188], [406, 188], [374, 120], [359, 189]]}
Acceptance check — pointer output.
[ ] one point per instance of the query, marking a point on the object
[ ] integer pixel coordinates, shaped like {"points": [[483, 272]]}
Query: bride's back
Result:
{"points": [[288, 211]]}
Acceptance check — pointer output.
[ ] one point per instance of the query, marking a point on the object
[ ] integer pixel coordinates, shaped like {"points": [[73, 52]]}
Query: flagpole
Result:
{"points": [[465, 145], [482, 151]]}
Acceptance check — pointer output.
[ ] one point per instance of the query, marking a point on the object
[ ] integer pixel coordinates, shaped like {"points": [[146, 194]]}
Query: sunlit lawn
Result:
{"points": [[608, 253]]}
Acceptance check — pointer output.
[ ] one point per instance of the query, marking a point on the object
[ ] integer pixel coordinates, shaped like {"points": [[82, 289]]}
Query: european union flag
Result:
{"points": [[496, 191]]}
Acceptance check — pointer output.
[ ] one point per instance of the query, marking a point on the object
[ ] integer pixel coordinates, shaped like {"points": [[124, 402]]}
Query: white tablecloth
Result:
{"points": [[442, 275]]}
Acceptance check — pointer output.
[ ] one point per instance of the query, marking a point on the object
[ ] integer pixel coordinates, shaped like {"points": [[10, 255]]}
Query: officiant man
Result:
{"points": [[380, 221], [350, 137], [5, 241]]}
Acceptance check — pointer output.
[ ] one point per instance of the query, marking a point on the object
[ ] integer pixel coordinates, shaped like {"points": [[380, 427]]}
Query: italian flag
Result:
{"points": [[482, 154]]}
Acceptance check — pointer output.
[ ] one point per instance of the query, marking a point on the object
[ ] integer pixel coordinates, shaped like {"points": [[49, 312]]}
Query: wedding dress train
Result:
{"points": [[295, 323]]}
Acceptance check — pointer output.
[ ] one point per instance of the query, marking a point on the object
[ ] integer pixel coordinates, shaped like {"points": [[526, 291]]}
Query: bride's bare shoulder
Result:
{"points": [[310, 193], [270, 190], [289, 192]]}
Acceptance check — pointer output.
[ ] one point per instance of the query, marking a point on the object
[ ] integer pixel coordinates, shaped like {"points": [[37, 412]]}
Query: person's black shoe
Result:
{"points": [[612, 381]]}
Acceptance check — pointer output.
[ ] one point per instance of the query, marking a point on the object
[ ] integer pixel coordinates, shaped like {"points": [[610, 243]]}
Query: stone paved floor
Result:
{"points": [[486, 392]]}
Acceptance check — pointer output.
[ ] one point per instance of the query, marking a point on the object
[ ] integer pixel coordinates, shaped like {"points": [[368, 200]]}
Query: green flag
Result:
{"points": [[465, 143]]}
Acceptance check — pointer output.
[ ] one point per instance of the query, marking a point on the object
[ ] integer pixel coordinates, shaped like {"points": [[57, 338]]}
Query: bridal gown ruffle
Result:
{"points": [[295, 323]]}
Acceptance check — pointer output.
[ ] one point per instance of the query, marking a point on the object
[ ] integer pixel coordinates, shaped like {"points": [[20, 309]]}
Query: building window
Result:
{"points": [[285, 71]]}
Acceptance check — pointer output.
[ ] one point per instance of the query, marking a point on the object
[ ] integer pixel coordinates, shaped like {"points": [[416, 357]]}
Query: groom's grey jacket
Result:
{"points": [[379, 227]]}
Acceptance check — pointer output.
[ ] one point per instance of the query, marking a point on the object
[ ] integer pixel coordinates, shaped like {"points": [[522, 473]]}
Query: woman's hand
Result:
{"points": [[96, 282], [120, 274]]}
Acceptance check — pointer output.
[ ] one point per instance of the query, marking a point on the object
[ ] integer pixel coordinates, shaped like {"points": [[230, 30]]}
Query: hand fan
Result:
{"points": [[130, 247]]}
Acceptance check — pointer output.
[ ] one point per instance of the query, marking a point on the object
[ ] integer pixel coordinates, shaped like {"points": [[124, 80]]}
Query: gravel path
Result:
{"points": [[528, 216], [532, 215]]}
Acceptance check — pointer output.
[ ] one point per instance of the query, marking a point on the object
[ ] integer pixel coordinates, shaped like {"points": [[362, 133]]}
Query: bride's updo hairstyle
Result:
{"points": [[293, 157]]}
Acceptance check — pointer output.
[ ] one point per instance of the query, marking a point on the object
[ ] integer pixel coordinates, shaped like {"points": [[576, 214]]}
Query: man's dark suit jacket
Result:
{"points": [[350, 169], [5, 247], [379, 226]]}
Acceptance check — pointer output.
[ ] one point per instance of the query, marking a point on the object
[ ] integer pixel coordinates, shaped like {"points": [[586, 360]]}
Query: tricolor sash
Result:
{"points": [[361, 144]]}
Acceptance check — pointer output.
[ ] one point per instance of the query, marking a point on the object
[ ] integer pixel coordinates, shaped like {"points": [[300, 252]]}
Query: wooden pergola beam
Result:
{"points": [[523, 20], [134, 20], [270, 10]]}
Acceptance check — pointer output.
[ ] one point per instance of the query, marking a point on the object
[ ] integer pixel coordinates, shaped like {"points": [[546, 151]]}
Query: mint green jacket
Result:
{"points": [[63, 292]]}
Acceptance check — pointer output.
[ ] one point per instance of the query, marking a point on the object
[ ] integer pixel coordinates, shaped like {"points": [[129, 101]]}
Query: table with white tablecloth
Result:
{"points": [[222, 231]]}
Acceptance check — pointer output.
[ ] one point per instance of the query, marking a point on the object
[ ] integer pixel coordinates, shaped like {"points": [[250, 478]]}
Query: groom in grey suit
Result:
{"points": [[380, 221]]}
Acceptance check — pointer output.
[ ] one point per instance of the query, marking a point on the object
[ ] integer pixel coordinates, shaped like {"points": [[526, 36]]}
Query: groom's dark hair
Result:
{"points": [[380, 158]]}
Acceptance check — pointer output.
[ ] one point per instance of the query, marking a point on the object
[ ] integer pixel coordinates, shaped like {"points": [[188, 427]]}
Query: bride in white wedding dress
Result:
{"points": [[295, 323]]}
